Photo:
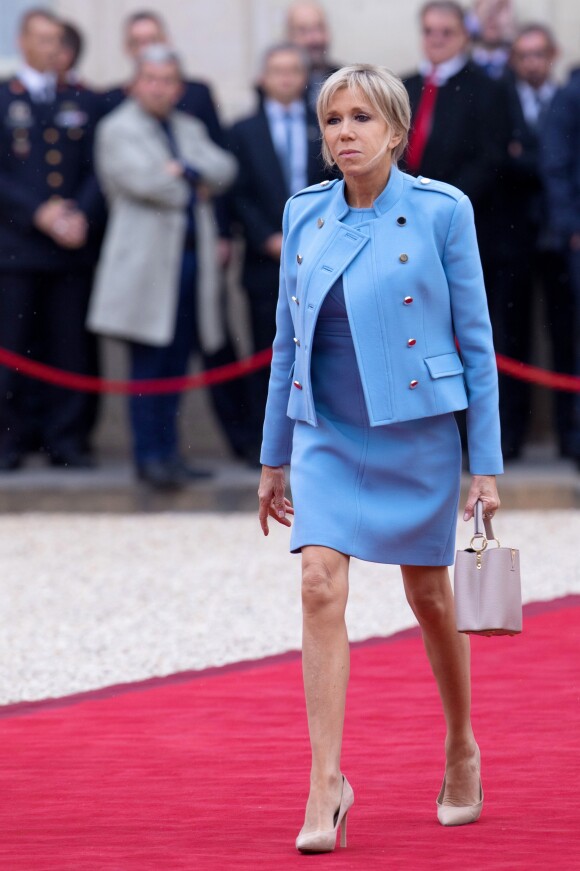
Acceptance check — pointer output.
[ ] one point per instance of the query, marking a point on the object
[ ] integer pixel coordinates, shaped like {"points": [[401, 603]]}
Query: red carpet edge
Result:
{"points": [[23, 708]]}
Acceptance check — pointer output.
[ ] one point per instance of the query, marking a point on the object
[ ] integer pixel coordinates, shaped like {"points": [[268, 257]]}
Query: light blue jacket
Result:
{"points": [[413, 284]]}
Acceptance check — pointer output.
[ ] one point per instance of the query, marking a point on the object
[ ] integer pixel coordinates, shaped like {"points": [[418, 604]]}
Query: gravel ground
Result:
{"points": [[91, 601]]}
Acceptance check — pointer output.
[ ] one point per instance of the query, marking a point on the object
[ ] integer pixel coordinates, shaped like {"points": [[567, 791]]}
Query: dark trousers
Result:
{"points": [[574, 263], [262, 304], [511, 308], [232, 403], [154, 419], [44, 313]]}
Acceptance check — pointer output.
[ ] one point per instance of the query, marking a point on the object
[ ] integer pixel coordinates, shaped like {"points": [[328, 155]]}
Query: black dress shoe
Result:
{"points": [[160, 475], [186, 473], [72, 460], [10, 461]]}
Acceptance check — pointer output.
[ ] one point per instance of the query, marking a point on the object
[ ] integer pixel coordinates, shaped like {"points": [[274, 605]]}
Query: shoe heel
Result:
{"points": [[343, 831]]}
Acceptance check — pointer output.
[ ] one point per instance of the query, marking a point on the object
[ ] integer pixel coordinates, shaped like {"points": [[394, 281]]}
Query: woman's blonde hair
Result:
{"points": [[385, 92]]}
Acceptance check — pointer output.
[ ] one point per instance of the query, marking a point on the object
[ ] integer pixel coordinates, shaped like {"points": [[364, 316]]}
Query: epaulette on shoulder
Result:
{"points": [[441, 187], [325, 185]]}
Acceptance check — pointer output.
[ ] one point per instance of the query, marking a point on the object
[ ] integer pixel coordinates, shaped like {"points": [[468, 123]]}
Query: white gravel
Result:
{"points": [[94, 600]]}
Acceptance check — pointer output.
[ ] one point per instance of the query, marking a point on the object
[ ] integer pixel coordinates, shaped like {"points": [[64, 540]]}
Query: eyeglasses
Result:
{"points": [[541, 54], [445, 32]]}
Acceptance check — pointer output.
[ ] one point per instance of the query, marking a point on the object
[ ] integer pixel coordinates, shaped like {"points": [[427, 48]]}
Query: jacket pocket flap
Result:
{"points": [[444, 364]]}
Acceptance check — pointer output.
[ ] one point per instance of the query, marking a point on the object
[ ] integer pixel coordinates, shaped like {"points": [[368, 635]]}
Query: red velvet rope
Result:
{"points": [[535, 375], [89, 383]]}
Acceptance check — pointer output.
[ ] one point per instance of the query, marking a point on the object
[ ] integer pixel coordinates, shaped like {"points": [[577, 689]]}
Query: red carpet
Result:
{"points": [[209, 771]]}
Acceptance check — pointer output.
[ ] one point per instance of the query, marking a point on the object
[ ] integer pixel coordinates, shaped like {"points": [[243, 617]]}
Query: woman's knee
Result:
{"points": [[430, 602], [320, 587]]}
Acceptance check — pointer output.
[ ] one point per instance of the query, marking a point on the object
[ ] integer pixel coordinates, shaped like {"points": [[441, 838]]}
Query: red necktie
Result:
{"points": [[422, 126]]}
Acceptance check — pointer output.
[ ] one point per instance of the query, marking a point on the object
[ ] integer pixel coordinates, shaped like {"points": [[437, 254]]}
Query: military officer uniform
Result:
{"points": [[45, 153]]}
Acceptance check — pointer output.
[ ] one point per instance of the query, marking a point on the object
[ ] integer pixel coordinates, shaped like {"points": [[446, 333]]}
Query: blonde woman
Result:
{"points": [[380, 276]]}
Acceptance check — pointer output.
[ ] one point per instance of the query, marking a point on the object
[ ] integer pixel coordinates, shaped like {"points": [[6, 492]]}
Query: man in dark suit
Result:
{"points": [[307, 27], [460, 122], [147, 28], [69, 54], [492, 26], [278, 151], [72, 43], [460, 127], [535, 257], [49, 205], [561, 171]]}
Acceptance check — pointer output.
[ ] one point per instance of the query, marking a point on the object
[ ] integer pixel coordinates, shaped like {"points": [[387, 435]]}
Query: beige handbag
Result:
{"points": [[488, 594]]}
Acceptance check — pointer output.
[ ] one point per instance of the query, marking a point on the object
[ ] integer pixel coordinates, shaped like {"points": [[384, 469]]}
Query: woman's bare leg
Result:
{"points": [[429, 594], [325, 665]]}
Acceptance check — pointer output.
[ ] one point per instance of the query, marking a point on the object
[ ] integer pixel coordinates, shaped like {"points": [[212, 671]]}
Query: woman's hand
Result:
{"points": [[273, 503], [482, 487]]}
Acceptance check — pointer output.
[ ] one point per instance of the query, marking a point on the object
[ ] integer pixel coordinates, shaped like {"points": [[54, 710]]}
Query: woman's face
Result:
{"points": [[357, 137]]}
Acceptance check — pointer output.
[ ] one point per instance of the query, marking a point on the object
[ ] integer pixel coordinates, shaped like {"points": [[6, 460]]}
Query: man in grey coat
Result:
{"points": [[157, 281]]}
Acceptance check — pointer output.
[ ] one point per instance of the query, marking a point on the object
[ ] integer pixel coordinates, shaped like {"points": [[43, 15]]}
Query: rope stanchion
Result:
{"points": [[92, 384], [231, 371]]}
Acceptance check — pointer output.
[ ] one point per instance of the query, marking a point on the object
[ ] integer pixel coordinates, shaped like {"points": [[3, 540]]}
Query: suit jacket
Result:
{"points": [[412, 288], [314, 85], [260, 192], [560, 161], [136, 287], [468, 142], [523, 189], [46, 150]]}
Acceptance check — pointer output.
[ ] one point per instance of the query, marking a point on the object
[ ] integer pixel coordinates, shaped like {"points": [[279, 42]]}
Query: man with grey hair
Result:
{"points": [[141, 29], [278, 151], [307, 27], [157, 285]]}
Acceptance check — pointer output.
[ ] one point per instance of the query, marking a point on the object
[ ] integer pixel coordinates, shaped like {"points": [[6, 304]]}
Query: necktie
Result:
{"points": [[190, 241], [44, 94], [541, 106], [422, 126], [171, 140]]}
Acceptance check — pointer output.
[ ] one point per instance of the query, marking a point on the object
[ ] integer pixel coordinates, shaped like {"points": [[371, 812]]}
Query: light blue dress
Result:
{"points": [[388, 494]]}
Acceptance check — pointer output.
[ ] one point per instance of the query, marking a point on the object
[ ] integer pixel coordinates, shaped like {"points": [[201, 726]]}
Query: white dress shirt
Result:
{"points": [[40, 86], [290, 137], [534, 100], [443, 72]]}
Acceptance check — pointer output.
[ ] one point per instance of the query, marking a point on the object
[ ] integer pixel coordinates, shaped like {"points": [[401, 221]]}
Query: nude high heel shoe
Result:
{"points": [[448, 815], [325, 841]]}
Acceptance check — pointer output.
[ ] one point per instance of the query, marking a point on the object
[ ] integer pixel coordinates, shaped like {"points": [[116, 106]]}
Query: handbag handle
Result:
{"points": [[482, 523]]}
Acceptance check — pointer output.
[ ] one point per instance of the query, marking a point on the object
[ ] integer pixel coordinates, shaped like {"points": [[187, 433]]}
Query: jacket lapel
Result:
{"points": [[326, 265]]}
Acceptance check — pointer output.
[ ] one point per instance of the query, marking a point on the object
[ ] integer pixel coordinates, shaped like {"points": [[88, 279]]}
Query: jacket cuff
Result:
{"points": [[269, 458], [492, 464]]}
